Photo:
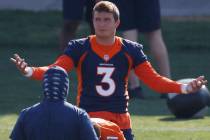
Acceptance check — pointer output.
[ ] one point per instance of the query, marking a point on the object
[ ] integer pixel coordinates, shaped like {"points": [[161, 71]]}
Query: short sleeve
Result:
{"points": [[76, 49], [138, 55], [135, 50]]}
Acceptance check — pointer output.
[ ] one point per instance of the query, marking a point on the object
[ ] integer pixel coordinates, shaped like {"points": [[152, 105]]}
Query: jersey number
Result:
{"points": [[107, 72]]}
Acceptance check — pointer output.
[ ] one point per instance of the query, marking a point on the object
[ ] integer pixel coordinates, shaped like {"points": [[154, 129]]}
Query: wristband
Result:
{"points": [[29, 72]]}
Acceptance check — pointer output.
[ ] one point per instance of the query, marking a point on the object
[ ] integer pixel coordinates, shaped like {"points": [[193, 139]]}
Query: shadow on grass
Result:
{"points": [[174, 119]]}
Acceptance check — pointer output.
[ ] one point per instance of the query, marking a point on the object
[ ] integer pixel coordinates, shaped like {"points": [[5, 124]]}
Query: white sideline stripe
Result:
{"points": [[159, 129]]}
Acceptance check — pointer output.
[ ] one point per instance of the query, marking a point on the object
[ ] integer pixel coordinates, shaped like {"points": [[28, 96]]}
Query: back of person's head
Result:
{"points": [[55, 84], [109, 7]]}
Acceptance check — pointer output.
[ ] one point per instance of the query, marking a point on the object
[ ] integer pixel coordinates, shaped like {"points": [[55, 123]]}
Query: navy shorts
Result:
{"points": [[74, 9], [143, 15]]}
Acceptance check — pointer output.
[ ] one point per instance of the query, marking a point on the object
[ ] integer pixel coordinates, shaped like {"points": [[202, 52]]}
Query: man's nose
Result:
{"points": [[102, 23]]}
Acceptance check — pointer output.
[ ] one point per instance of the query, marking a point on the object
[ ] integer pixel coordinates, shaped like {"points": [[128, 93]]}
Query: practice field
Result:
{"points": [[35, 37]]}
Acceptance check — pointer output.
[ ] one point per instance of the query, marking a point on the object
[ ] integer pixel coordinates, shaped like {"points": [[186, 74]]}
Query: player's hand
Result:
{"points": [[196, 84], [20, 63]]}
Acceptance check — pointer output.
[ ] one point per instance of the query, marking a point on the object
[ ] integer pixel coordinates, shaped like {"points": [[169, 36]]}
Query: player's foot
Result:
{"points": [[136, 93]]}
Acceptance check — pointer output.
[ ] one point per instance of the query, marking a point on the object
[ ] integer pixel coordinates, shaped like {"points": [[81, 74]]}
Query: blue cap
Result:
{"points": [[56, 83]]}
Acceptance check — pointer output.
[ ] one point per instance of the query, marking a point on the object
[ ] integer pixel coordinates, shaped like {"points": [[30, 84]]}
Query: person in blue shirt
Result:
{"points": [[54, 118]]}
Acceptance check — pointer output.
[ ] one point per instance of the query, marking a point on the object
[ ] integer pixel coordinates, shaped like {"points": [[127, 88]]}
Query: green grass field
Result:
{"points": [[35, 37]]}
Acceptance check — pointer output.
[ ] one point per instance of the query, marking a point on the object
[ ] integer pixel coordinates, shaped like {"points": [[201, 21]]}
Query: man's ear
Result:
{"points": [[117, 23]]}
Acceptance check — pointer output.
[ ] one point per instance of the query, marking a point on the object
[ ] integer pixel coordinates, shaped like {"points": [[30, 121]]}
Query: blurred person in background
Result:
{"points": [[143, 16], [73, 13]]}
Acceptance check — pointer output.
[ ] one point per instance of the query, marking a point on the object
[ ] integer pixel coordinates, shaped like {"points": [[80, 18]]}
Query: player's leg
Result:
{"points": [[129, 30], [159, 51], [149, 24], [134, 88], [68, 32], [88, 14], [72, 15], [133, 79]]}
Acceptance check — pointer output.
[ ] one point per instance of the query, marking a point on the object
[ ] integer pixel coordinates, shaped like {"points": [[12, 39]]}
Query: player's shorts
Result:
{"points": [[143, 15], [74, 9]]}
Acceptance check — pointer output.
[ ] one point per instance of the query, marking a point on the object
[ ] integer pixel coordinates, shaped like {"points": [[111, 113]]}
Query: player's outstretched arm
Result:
{"points": [[150, 77], [37, 73], [195, 85], [21, 65]]}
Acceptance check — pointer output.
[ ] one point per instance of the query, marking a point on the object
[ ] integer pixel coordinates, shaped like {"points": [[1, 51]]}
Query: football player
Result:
{"points": [[103, 63]]}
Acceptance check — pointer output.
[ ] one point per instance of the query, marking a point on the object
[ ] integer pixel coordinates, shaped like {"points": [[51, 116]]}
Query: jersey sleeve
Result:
{"points": [[63, 61], [135, 50], [87, 131], [68, 60], [151, 78], [138, 54], [75, 49], [18, 130]]}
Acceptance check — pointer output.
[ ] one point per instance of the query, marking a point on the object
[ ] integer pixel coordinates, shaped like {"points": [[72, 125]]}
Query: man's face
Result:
{"points": [[104, 24]]}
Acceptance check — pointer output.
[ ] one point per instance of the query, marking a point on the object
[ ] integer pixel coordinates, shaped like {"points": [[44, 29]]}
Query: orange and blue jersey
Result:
{"points": [[103, 73]]}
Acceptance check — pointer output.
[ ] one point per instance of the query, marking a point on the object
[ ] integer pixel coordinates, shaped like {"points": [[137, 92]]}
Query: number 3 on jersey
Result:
{"points": [[107, 72]]}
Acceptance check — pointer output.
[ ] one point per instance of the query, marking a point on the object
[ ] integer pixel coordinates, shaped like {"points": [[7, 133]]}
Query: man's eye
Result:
{"points": [[97, 19], [106, 19]]}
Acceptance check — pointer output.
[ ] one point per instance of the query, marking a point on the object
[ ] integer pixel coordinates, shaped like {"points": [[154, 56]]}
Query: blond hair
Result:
{"points": [[109, 7]]}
